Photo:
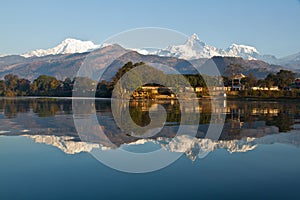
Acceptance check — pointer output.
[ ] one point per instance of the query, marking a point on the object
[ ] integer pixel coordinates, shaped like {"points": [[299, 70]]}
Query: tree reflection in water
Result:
{"points": [[243, 118]]}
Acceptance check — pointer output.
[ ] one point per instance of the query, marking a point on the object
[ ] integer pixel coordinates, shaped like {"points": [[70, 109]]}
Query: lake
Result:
{"points": [[50, 151]]}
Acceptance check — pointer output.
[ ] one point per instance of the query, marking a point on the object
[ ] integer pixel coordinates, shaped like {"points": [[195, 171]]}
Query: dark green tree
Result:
{"points": [[23, 87], [284, 78], [45, 85], [11, 82]]}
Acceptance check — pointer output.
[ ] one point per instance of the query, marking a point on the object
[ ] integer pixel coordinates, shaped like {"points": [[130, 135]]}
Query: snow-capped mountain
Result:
{"points": [[244, 51], [190, 146], [64, 143], [67, 46], [194, 48]]}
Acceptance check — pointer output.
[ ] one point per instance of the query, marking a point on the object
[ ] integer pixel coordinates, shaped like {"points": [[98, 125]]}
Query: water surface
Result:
{"points": [[43, 157]]}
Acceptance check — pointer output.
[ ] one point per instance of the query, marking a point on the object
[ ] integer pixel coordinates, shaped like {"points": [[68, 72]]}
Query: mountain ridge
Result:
{"points": [[67, 65], [67, 46], [193, 48]]}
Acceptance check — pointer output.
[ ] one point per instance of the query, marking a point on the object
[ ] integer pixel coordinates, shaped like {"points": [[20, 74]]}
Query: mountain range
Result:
{"points": [[65, 59], [193, 48], [67, 65], [192, 147]]}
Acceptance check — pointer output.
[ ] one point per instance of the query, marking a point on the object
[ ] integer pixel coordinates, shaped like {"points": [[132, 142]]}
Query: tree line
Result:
{"points": [[44, 85], [284, 80]]}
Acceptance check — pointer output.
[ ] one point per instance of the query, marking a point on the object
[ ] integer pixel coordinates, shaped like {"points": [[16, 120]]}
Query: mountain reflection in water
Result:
{"points": [[247, 124]]}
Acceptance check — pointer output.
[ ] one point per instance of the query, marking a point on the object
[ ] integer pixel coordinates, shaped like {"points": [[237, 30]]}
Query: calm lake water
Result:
{"points": [[256, 156]]}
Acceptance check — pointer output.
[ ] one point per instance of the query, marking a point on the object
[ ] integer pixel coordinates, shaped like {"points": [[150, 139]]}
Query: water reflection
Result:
{"points": [[247, 124]]}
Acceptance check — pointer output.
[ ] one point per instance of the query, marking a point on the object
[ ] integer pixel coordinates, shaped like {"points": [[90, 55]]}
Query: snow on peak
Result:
{"points": [[244, 51], [194, 41], [243, 47], [69, 45], [65, 143], [4, 55], [194, 37], [196, 147], [193, 48]]}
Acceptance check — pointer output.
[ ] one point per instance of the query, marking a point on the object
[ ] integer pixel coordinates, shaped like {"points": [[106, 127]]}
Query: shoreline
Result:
{"points": [[249, 98], [163, 99]]}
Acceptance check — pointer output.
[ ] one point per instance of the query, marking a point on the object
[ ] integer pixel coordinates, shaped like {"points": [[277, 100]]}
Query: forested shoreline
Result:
{"points": [[44, 85]]}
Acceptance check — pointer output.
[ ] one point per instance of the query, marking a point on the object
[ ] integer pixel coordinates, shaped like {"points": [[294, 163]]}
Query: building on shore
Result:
{"points": [[272, 88]]}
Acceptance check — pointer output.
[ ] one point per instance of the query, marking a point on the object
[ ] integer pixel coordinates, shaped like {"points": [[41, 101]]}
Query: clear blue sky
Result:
{"points": [[273, 27]]}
